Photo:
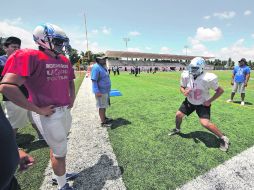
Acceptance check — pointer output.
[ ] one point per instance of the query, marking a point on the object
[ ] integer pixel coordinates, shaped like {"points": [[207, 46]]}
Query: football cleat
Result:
{"points": [[174, 131]]}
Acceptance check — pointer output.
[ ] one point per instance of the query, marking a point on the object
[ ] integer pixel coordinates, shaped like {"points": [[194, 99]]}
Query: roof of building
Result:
{"points": [[127, 54]]}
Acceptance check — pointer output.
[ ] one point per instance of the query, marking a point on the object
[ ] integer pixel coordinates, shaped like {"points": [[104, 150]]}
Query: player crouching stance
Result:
{"points": [[195, 85]]}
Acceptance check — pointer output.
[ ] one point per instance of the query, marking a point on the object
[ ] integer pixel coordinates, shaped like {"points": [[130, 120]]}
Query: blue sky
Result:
{"points": [[219, 28]]}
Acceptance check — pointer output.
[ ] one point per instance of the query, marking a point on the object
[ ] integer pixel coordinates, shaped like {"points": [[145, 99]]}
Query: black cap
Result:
{"points": [[11, 40], [243, 60], [102, 57]]}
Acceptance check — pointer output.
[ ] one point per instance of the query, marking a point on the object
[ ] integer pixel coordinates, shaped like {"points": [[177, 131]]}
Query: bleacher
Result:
{"points": [[144, 65]]}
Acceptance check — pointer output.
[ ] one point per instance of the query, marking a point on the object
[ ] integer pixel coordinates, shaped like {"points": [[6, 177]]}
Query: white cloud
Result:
{"points": [[197, 48], [95, 31], [165, 50], [134, 49], [148, 48], [134, 33], [106, 30], [236, 51], [252, 35], [225, 15], [247, 13], [9, 28], [208, 34], [207, 17]]}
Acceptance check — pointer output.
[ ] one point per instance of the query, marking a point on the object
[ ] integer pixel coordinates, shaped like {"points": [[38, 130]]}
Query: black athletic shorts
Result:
{"points": [[202, 111]]}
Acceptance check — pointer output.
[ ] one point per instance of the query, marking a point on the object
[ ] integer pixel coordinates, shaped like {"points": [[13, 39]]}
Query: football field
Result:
{"points": [[146, 112]]}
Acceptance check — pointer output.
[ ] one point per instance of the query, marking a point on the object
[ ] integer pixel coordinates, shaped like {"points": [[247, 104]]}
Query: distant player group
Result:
{"points": [[48, 76]]}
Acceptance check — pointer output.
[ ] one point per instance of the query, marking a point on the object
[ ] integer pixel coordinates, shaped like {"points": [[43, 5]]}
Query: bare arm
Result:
{"points": [[247, 79], [218, 92], [232, 79], [14, 94], [72, 93]]}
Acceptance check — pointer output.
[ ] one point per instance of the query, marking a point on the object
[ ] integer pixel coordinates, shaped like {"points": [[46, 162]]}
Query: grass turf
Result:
{"points": [[33, 177], [145, 114]]}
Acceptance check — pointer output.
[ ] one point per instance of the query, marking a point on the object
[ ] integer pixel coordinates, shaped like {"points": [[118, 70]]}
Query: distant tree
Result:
{"points": [[82, 54], [230, 63], [74, 57], [2, 52]]}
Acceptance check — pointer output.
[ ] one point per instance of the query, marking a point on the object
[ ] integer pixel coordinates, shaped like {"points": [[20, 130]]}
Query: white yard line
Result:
{"points": [[235, 174]]}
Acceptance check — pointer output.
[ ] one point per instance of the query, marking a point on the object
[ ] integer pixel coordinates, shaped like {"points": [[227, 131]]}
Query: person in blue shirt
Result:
{"points": [[101, 86], [240, 78]]}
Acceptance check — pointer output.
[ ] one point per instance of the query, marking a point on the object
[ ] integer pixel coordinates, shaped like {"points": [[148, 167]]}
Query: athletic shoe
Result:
{"points": [[174, 131], [39, 139], [69, 177], [242, 103], [229, 100], [224, 145], [66, 187], [106, 124], [108, 119]]}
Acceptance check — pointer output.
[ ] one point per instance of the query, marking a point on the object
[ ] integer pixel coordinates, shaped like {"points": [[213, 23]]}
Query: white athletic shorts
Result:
{"points": [[238, 87], [55, 129], [30, 118], [16, 115], [103, 101]]}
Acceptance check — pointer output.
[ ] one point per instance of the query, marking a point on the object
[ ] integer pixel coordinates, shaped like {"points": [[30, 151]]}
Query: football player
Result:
{"points": [[48, 76], [195, 86]]}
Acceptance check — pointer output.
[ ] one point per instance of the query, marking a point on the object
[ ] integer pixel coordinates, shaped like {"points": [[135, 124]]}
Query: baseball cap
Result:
{"points": [[102, 57], [243, 60]]}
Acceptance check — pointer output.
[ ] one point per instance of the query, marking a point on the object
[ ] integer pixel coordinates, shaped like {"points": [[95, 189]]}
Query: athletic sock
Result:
{"points": [[61, 180]]}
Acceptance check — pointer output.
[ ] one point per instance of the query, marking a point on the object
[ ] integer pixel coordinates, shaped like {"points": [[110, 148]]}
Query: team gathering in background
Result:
{"points": [[38, 87]]}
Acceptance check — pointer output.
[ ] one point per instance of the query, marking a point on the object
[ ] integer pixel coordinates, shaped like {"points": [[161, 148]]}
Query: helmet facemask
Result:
{"points": [[51, 37], [196, 67]]}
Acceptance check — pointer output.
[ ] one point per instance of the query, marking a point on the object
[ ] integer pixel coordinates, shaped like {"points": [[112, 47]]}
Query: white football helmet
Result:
{"points": [[196, 66], [51, 37]]}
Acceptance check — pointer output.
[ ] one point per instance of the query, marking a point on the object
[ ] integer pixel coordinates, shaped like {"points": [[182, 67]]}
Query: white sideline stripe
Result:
{"points": [[235, 174], [89, 149]]}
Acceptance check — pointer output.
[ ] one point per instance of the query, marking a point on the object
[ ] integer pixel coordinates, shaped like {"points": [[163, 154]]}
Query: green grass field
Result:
{"points": [[33, 178], [145, 114]]}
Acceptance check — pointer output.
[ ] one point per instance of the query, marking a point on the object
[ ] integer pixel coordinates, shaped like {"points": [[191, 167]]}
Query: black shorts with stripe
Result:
{"points": [[202, 111]]}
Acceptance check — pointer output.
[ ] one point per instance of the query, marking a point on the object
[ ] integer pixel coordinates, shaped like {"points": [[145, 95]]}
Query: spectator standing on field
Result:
{"points": [[240, 78], [101, 86]]}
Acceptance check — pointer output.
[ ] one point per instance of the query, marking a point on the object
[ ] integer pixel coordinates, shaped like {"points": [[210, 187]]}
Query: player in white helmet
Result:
{"points": [[48, 76], [195, 85]]}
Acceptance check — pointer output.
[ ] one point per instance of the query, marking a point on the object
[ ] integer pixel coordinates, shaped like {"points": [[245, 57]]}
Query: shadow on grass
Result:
{"points": [[96, 176], [119, 122], [26, 141], [210, 140], [23, 139], [239, 102]]}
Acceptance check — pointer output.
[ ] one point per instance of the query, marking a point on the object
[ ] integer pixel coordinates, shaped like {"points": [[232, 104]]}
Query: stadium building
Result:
{"points": [[126, 60]]}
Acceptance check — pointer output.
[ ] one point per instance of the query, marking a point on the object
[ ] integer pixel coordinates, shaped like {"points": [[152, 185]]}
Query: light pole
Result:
{"points": [[126, 40], [186, 48]]}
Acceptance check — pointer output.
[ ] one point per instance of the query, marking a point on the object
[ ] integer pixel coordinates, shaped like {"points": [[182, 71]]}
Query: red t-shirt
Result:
{"points": [[47, 78]]}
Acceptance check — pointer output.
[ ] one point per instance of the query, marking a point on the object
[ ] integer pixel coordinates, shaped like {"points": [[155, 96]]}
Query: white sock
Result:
{"points": [[61, 180]]}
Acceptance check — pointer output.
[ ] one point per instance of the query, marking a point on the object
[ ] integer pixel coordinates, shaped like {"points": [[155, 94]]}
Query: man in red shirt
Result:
{"points": [[48, 76]]}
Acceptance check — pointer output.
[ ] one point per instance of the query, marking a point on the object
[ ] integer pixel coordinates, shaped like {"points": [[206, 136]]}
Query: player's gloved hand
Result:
{"points": [[232, 83]]}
